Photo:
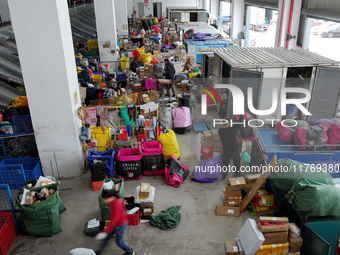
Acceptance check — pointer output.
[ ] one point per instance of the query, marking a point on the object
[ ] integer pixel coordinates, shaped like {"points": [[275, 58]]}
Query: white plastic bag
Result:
{"points": [[108, 185], [251, 237], [82, 251]]}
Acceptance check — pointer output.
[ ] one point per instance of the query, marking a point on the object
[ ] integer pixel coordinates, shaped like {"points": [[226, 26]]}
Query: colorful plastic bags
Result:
{"points": [[334, 136], [181, 119], [147, 58], [169, 143], [175, 172], [286, 133]]}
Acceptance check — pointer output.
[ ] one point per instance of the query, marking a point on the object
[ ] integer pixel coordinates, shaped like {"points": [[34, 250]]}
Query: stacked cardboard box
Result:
{"points": [[146, 208], [274, 229], [295, 240], [33, 197], [233, 195]]}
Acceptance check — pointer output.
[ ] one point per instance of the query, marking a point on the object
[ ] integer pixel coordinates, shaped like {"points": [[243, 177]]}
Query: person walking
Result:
{"points": [[169, 73], [117, 225], [230, 145]]}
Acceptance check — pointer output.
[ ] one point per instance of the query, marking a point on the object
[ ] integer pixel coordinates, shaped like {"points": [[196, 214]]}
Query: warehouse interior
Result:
{"points": [[157, 98]]}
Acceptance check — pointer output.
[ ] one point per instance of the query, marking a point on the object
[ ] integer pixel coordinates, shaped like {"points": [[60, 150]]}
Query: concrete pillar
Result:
{"points": [[121, 17], [237, 18], [45, 47], [106, 30], [246, 32], [284, 10], [129, 7], [4, 11], [206, 5]]}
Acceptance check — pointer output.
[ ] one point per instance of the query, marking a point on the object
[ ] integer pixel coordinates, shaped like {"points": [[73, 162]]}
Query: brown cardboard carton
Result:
{"points": [[232, 203], [52, 191], [252, 178], [230, 189], [232, 195], [272, 228], [295, 242], [205, 143], [144, 190], [231, 248], [148, 207], [125, 70], [44, 191], [294, 249], [29, 200], [147, 211], [237, 183], [116, 187], [227, 211], [294, 231], [274, 219], [208, 135], [216, 139], [29, 186], [274, 238]]}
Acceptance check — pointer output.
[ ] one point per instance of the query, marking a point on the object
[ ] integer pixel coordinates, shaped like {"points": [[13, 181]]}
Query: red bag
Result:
{"points": [[123, 135], [136, 54]]}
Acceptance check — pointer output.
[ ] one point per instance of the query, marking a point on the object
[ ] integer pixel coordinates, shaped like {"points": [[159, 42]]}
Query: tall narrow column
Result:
{"points": [[237, 18], [44, 41], [289, 14], [106, 30], [121, 17]]}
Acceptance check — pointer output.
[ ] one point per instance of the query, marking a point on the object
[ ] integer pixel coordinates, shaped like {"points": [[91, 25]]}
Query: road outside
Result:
{"points": [[327, 47]]}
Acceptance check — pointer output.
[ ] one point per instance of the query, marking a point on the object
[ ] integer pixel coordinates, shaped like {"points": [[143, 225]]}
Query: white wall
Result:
{"points": [[121, 17], [129, 7], [4, 11], [167, 3]]}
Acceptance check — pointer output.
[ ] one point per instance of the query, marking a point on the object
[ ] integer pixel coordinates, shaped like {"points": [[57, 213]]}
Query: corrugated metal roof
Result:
{"points": [[83, 26], [270, 57]]}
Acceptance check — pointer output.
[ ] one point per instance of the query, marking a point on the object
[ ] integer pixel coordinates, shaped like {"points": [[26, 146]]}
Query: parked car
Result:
{"points": [[330, 31], [317, 22], [316, 29]]}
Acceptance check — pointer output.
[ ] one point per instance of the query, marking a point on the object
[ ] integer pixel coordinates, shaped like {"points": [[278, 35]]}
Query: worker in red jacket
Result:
{"points": [[118, 222]]}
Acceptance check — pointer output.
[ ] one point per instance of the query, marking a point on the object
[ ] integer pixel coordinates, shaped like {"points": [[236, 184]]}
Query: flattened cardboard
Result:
{"points": [[257, 185], [274, 238], [227, 210]]}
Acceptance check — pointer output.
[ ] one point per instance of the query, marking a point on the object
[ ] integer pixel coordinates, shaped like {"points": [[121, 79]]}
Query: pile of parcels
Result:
{"points": [[145, 72], [263, 202], [233, 195], [34, 197], [270, 236]]}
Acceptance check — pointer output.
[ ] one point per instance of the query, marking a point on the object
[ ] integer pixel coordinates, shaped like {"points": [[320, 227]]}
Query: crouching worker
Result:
{"points": [[230, 146], [118, 224]]}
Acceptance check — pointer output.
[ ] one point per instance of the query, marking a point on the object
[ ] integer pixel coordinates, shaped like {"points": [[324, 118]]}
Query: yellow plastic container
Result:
{"points": [[97, 78], [92, 44], [124, 63], [103, 137]]}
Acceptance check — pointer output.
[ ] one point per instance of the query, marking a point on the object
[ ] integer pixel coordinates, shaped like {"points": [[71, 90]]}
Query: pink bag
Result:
{"points": [[334, 136], [313, 137], [181, 117], [175, 172], [91, 117], [149, 84], [153, 158], [286, 134]]}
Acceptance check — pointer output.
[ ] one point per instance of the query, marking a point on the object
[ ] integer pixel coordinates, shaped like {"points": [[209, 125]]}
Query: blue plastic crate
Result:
{"points": [[13, 168], [23, 124]]}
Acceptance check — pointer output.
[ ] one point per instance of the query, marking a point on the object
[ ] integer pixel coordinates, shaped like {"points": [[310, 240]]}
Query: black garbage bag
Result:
{"points": [[21, 147]]}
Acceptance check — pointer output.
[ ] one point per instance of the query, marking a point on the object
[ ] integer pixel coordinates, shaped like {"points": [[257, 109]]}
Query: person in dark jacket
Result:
{"points": [[230, 145], [169, 73]]}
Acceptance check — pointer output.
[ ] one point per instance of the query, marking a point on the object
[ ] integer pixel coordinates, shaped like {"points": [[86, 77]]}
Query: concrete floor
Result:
{"points": [[200, 230]]}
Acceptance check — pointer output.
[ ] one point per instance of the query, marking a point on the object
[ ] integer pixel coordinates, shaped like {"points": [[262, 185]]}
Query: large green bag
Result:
{"points": [[41, 219], [285, 180], [315, 198], [104, 208]]}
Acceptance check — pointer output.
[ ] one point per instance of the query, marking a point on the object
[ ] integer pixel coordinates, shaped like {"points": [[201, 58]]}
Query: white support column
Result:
{"points": [[106, 30], [283, 21], [246, 34], [149, 8], [45, 47], [121, 17], [237, 18], [4, 11]]}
